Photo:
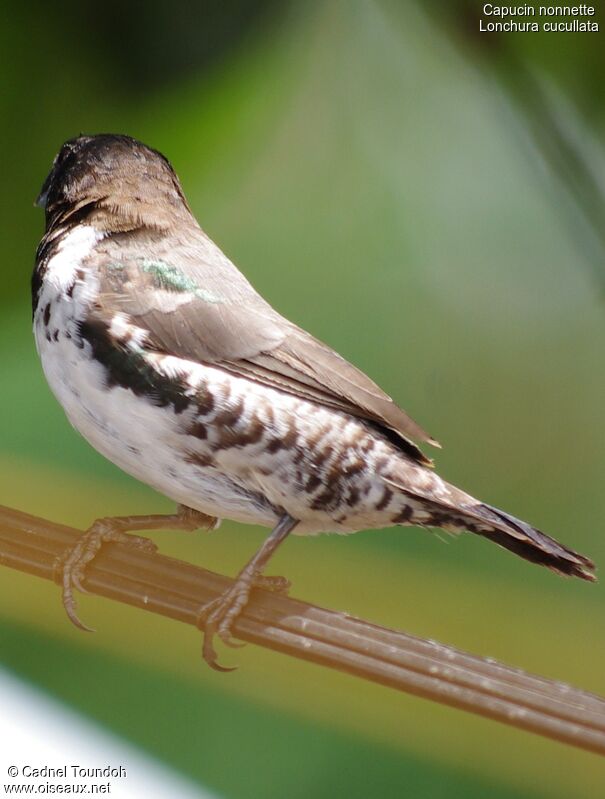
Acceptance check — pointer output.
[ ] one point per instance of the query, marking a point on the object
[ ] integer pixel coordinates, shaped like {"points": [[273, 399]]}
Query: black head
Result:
{"points": [[114, 172]]}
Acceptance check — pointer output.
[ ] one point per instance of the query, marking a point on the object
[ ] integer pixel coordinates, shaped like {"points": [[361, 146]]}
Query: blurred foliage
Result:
{"points": [[145, 51], [536, 79], [380, 183]]}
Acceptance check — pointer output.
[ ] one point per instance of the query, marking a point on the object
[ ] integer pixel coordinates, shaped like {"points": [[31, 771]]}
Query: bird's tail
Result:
{"points": [[453, 509], [532, 544]]}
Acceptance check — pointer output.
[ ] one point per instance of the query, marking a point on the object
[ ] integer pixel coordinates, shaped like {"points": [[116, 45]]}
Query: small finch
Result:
{"points": [[170, 364]]}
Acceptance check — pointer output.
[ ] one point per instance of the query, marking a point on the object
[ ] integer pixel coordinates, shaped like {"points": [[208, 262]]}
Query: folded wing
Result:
{"points": [[197, 305]]}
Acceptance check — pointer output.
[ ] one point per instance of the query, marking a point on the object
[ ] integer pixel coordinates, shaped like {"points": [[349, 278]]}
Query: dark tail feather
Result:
{"points": [[460, 511], [531, 544]]}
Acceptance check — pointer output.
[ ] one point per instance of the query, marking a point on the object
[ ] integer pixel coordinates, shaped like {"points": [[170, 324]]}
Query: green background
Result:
{"points": [[428, 202]]}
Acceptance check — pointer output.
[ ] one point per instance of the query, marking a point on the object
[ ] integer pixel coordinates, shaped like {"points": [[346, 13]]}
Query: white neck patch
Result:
{"points": [[73, 250]]}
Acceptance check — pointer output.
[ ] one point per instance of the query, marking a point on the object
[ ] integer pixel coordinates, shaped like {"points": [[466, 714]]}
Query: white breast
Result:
{"points": [[132, 432]]}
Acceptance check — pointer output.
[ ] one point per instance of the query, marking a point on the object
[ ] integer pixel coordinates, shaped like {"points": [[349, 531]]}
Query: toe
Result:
{"points": [[277, 585], [209, 652], [136, 542], [227, 639], [76, 578], [69, 603]]}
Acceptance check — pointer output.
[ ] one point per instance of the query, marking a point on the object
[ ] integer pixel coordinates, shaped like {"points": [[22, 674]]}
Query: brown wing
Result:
{"points": [[307, 367], [197, 305]]}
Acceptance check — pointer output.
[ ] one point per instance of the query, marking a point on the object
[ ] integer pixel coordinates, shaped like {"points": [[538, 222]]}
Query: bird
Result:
{"points": [[170, 364]]}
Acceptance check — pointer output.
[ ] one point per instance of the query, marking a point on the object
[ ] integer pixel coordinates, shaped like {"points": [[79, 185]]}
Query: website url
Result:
{"points": [[52, 788]]}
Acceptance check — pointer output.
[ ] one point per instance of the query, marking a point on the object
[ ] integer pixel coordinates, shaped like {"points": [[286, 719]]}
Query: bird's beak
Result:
{"points": [[43, 196], [41, 199]]}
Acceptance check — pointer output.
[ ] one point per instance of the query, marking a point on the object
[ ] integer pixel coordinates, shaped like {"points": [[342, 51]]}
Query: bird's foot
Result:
{"points": [[218, 616], [70, 568]]}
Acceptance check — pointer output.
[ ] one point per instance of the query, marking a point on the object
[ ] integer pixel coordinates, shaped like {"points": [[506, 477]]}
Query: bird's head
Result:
{"points": [[115, 179]]}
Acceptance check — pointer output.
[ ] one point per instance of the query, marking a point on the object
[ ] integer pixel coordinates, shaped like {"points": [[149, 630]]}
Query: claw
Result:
{"points": [[71, 568], [76, 579], [209, 652], [228, 641], [217, 617], [77, 584], [69, 603]]}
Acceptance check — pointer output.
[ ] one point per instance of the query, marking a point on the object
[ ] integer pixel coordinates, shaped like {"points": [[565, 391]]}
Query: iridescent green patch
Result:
{"points": [[170, 278]]}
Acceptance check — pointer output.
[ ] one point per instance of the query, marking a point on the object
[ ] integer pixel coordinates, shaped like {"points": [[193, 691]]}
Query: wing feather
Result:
{"points": [[197, 305]]}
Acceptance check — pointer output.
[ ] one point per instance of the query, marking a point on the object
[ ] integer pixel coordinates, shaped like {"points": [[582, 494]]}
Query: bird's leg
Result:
{"points": [[70, 568], [218, 616]]}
